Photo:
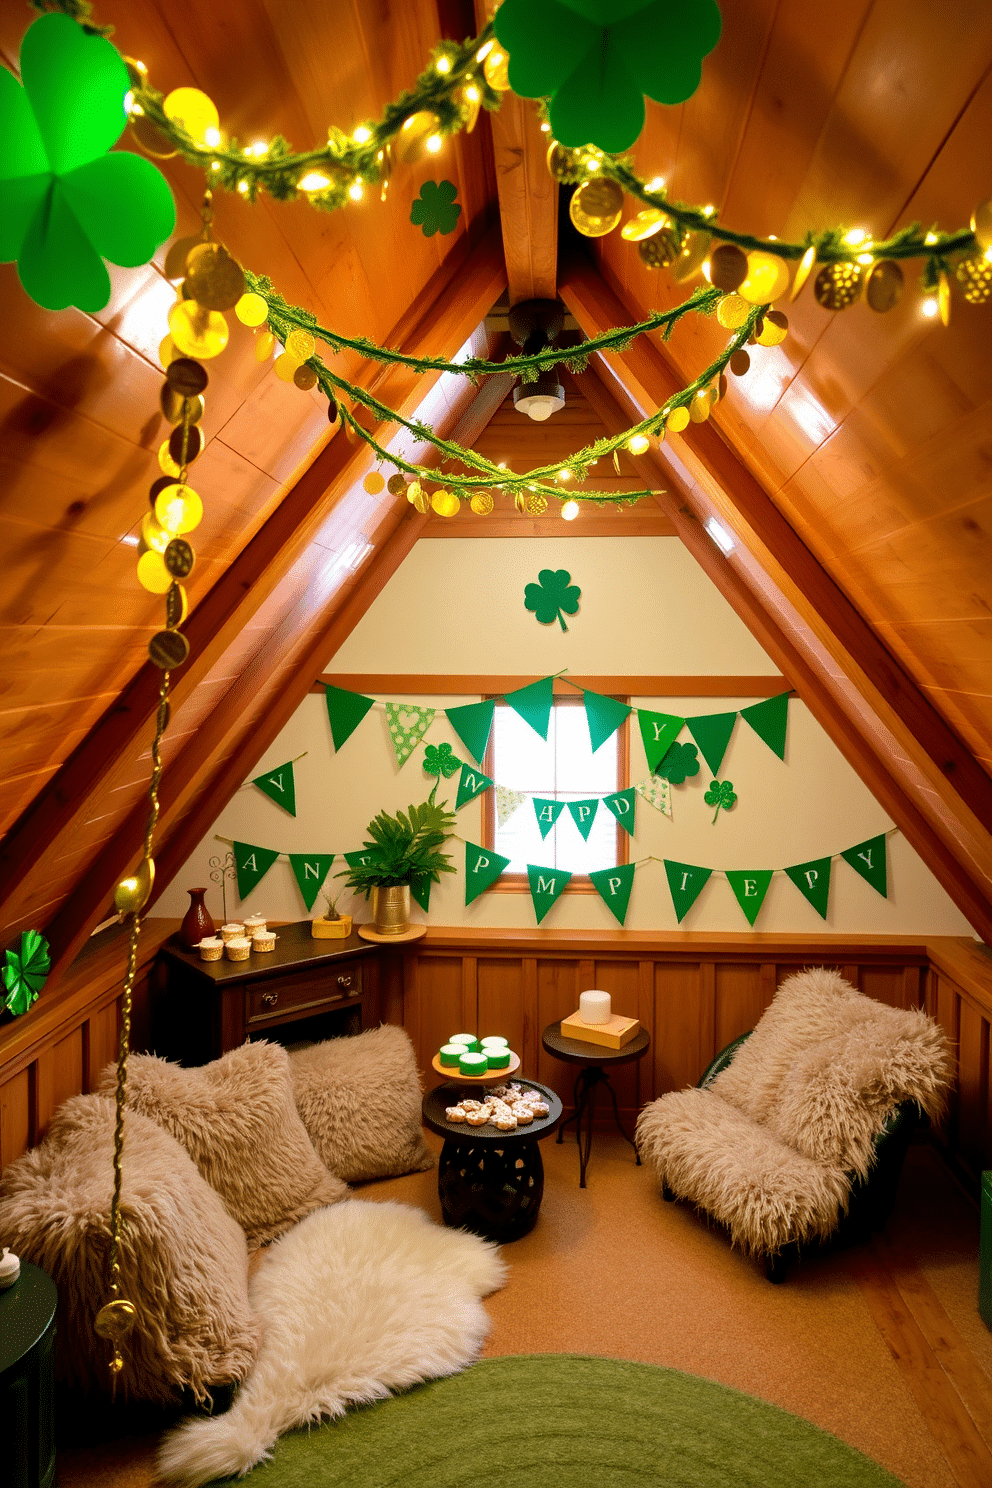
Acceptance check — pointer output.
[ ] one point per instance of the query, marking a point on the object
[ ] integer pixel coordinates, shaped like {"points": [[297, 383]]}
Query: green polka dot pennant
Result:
{"points": [[407, 725]]}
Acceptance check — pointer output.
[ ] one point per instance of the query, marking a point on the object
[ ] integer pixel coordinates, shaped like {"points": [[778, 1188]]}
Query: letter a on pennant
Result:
{"points": [[868, 859], [813, 882], [547, 813], [613, 886], [280, 786], [546, 885], [483, 867], [252, 864], [310, 870], [750, 885], [685, 880]]}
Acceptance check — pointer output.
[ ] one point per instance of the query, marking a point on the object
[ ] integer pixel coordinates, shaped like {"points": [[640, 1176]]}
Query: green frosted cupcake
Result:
{"points": [[498, 1058], [494, 1042], [473, 1064], [451, 1053], [467, 1040]]}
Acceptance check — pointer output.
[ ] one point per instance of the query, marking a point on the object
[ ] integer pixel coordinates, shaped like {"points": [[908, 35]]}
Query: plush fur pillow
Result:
{"points": [[184, 1262], [237, 1121], [360, 1102]]}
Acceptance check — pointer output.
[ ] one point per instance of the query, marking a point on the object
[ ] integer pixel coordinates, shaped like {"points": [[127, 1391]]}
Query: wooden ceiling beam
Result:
{"points": [[802, 665], [438, 322]]}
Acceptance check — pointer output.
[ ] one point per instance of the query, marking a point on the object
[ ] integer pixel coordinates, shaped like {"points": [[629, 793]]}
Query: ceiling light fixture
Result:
{"points": [[535, 325]]}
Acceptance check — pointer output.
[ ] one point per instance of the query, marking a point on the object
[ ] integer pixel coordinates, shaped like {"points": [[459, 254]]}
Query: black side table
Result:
{"points": [[27, 1378], [596, 1060], [488, 1181]]}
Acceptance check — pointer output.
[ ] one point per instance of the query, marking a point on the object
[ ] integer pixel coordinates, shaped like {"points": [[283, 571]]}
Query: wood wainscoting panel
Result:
{"points": [[891, 984], [15, 1117], [440, 1011], [739, 1001], [500, 1008], [965, 1014], [683, 1025]]}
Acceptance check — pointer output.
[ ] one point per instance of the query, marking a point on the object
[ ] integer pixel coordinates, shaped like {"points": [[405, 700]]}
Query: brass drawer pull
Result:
{"points": [[271, 998], [345, 981]]}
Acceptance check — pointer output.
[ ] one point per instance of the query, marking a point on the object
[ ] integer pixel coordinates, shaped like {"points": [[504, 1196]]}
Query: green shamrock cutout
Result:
{"points": [[720, 794], [682, 760], [597, 58], [552, 593], [65, 204], [25, 972], [439, 760], [435, 209]]}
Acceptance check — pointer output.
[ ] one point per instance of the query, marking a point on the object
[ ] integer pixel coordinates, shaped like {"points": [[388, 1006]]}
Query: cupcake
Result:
{"points": [[494, 1042], [228, 932], [263, 940], [211, 949], [467, 1040], [254, 923], [449, 1054], [499, 1058], [238, 947], [473, 1064]]}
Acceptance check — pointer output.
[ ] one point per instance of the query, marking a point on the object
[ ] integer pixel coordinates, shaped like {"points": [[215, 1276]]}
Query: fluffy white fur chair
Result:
{"points": [[770, 1147]]}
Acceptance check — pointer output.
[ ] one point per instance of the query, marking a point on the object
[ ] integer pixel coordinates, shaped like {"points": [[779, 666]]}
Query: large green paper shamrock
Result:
{"points": [[552, 593], [681, 761], [25, 972], [596, 58], [439, 760], [65, 204], [435, 209], [720, 794]]}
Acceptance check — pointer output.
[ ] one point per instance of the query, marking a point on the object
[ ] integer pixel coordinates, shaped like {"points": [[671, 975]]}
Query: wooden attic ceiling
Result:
{"points": [[852, 465]]}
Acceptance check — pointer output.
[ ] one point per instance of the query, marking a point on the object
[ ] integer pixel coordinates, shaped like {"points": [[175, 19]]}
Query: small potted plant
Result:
{"points": [[403, 849], [332, 925]]}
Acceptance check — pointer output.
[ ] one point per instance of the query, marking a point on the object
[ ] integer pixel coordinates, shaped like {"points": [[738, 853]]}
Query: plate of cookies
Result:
{"points": [[504, 1109]]}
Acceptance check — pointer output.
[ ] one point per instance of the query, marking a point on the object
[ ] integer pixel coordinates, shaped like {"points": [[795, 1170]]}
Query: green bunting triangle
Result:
{"points": [[345, 711], [813, 882], [310, 870], [471, 783], [868, 859], [613, 886], [770, 719], [280, 786], [420, 891], [750, 886], [583, 813], [621, 803], [658, 731], [533, 704], [483, 867], [685, 881], [546, 884], [407, 725], [252, 864], [360, 857], [604, 715], [472, 723], [547, 813], [712, 732]]}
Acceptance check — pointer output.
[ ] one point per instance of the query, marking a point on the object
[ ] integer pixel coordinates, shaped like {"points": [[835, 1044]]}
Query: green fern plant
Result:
{"points": [[404, 847]]}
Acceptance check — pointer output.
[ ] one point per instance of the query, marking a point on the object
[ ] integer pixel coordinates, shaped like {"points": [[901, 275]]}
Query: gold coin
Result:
{"points": [[301, 345], [214, 279], [767, 278], [740, 362], [563, 164], [252, 310], [660, 250], [644, 225], [838, 285], [116, 1318], [699, 408], [198, 332], [305, 378], [166, 463], [151, 140], [166, 351], [176, 605], [286, 366], [693, 254], [520, 502], [175, 259], [981, 224], [193, 441], [975, 277], [265, 345], [411, 141], [445, 503], [171, 403], [179, 558], [536, 504], [482, 504], [677, 420], [193, 110], [421, 500], [806, 265], [168, 649], [732, 312], [153, 534], [152, 573], [496, 69], [596, 207], [944, 298], [884, 286], [178, 509], [374, 482], [728, 266], [396, 485], [186, 376]]}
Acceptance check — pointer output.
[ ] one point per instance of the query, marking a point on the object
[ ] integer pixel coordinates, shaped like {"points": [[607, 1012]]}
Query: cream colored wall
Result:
{"points": [[646, 608]]}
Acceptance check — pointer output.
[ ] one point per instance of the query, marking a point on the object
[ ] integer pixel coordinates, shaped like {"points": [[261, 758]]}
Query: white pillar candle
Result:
{"points": [[594, 1007]]}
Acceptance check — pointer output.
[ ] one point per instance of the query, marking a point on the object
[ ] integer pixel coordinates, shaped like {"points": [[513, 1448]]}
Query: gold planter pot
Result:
{"points": [[391, 908]]}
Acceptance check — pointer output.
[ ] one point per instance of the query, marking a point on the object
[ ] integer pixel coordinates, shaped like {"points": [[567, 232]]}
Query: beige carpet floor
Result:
{"points": [[612, 1270]]}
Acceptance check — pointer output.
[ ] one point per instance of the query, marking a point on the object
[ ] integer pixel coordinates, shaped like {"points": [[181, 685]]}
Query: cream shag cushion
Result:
{"points": [[769, 1148], [184, 1262], [237, 1120], [360, 1103], [357, 1301]]}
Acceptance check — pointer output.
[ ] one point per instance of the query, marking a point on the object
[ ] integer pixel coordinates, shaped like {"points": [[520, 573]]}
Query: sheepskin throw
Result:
{"points": [[359, 1099], [184, 1262], [237, 1120], [769, 1148], [355, 1302]]}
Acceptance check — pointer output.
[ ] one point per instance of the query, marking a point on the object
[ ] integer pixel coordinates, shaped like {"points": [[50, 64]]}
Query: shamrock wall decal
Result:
{"points": [[439, 760], [681, 761], [597, 58], [552, 593], [721, 795], [25, 972], [65, 204], [435, 209]]}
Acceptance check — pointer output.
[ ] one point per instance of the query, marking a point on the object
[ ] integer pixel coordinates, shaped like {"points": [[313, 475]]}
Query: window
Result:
{"points": [[562, 769]]}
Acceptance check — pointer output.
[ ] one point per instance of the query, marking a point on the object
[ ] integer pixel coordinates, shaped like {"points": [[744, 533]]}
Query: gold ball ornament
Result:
{"points": [[496, 70], [175, 259], [286, 366], [644, 225], [981, 224], [660, 250], [677, 420], [178, 509], [838, 285], [396, 485], [806, 265], [252, 310], [411, 142], [265, 345], [446, 503], [301, 345], [197, 332], [596, 207], [168, 649], [975, 278], [153, 574], [699, 408], [884, 284], [728, 266], [482, 504], [563, 164], [732, 312], [692, 255], [374, 483], [536, 504], [305, 378], [767, 279], [193, 110]]}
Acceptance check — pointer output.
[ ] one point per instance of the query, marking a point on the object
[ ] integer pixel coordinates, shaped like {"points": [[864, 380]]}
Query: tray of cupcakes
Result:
{"points": [[486, 1061]]}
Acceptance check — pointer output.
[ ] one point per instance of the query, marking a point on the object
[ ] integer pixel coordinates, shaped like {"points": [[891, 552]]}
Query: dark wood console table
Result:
{"points": [[305, 988]]}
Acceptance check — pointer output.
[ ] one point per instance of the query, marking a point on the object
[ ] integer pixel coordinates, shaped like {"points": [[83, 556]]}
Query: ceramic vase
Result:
{"points": [[197, 925], [391, 907]]}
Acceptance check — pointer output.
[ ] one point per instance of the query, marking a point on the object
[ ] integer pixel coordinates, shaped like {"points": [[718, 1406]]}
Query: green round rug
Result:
{"points": [[569, 1421]]}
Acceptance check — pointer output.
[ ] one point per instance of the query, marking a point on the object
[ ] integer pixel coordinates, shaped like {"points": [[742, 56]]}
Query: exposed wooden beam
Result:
{"points": [[803, 665], [439, 322], [463, 685], [644, 520]]}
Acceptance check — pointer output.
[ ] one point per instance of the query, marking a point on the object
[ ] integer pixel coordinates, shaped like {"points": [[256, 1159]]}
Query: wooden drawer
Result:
{"points": [[300, 994]]}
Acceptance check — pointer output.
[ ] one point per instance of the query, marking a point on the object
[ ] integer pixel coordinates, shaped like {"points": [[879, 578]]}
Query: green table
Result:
{"points": [[27, 1358]]}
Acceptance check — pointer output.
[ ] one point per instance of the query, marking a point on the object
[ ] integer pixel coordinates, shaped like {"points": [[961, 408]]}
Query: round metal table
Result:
{"points": [[27, 1379], [489, 1182], [596, 1060]]}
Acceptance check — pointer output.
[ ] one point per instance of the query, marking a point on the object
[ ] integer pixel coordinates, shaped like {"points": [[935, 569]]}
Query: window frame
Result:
{"points": [[580, 883]]}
